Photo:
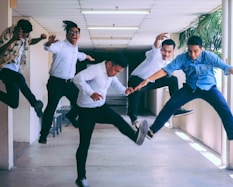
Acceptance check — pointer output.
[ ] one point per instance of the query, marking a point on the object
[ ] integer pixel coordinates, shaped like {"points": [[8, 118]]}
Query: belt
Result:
{"points": [[62, 80]]}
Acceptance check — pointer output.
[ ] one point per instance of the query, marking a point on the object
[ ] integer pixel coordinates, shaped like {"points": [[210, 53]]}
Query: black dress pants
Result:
{"points": [[15, 81], [57, 88], [88, 117]]}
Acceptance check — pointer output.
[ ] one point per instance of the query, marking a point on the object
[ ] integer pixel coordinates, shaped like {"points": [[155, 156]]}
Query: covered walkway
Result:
{"points": [[167, 160]]}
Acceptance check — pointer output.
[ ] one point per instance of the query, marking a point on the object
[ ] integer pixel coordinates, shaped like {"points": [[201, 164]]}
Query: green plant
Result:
{"points": [[209, 28]]}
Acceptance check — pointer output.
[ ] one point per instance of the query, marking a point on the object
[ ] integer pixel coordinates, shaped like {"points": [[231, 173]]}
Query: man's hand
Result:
{"points": [[52, 39], [18, 33], [162, 36], [141, 85], [159, 38], [129, 90], [43, 36], [90, 58], [95, 96]]}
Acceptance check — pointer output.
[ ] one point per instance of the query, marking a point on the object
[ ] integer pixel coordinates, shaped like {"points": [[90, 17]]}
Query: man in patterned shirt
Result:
{"points": [[14, 43]]}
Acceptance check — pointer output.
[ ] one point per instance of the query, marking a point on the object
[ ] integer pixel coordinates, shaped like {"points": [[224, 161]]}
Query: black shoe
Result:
{"points": [[38, 108], [82, 182], [141, 132], [73, 121], [136, 124], [182, 112], [149, 135], [42, 140]]}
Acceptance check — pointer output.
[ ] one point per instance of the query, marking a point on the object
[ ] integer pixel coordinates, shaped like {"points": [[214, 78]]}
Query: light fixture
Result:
{"points": [[117, 11], [111, 28], [110, 38]]}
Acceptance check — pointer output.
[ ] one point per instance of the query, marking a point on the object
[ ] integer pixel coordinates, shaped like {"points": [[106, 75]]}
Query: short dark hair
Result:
{"points": [[70, 24], [195, 40], [118, 59], [25, 25], [169, 42]]}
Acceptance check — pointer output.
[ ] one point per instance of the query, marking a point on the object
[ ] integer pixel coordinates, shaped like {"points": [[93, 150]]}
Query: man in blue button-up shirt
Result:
{"points": [[198, 66]]}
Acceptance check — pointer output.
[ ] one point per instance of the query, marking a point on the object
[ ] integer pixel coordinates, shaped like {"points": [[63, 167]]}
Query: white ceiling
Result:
{"points": [[170, 16]]}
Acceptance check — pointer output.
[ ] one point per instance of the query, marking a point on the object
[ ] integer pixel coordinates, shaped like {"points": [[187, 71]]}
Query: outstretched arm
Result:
{"points": [[36, 40], [155, 76], [52, 39]]}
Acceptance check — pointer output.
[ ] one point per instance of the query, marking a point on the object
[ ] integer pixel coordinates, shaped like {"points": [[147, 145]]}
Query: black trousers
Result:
{"points": [[88, 117], [15, 81], [134, 98], [58, 88]]}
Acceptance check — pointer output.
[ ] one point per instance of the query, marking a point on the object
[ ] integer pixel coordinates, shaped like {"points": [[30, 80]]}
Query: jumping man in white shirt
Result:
{"points": [[62, 72], [93, 84], [156, 58]]}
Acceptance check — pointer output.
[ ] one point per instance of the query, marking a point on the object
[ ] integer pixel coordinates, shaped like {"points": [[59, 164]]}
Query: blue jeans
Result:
{"points": [[186, 94]]}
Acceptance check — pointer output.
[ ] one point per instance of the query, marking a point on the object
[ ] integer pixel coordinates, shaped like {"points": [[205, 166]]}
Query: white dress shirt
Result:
{"points": [[95, 79], [153, 63], [65, 56]]}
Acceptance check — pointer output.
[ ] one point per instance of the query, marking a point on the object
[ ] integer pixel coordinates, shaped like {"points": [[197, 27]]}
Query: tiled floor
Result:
{"points": [[115, 161]]}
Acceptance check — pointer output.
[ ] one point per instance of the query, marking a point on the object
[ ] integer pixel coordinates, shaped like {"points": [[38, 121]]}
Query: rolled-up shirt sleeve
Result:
{"points": [[173, 65]]}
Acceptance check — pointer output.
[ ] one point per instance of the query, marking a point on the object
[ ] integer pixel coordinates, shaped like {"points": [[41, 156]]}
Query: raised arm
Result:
{"points": [[17, 35], [159, 38]]}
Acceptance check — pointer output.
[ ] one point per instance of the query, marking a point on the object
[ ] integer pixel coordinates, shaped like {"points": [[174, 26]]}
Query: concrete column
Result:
{"points": [[230, 80], [225, 57], [6, 121]]}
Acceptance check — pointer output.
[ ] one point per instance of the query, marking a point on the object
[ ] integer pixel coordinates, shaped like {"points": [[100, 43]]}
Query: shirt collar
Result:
{"points": [[103, 65], [68, 43], [198, 59]]}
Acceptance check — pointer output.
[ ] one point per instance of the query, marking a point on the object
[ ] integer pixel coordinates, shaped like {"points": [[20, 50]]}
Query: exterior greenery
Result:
{"points": [[209, 28]]}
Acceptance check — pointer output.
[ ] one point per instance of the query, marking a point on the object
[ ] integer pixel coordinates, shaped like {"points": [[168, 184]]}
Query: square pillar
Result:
{"points": [[6, 119]]}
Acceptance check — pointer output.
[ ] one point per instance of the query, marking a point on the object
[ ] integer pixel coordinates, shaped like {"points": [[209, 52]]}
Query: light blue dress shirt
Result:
{"points": [[199, 72]]}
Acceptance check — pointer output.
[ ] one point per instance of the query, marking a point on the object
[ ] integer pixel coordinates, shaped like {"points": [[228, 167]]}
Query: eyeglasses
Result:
{"points": [[73, 32]]}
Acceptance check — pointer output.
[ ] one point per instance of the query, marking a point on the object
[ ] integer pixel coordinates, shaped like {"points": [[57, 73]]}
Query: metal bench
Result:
{"points": [[56, 124]]}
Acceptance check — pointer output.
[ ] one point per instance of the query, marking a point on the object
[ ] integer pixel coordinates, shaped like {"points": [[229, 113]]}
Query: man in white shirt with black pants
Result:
{"points": [[93, 84], [156, 58], [62, 72]]}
